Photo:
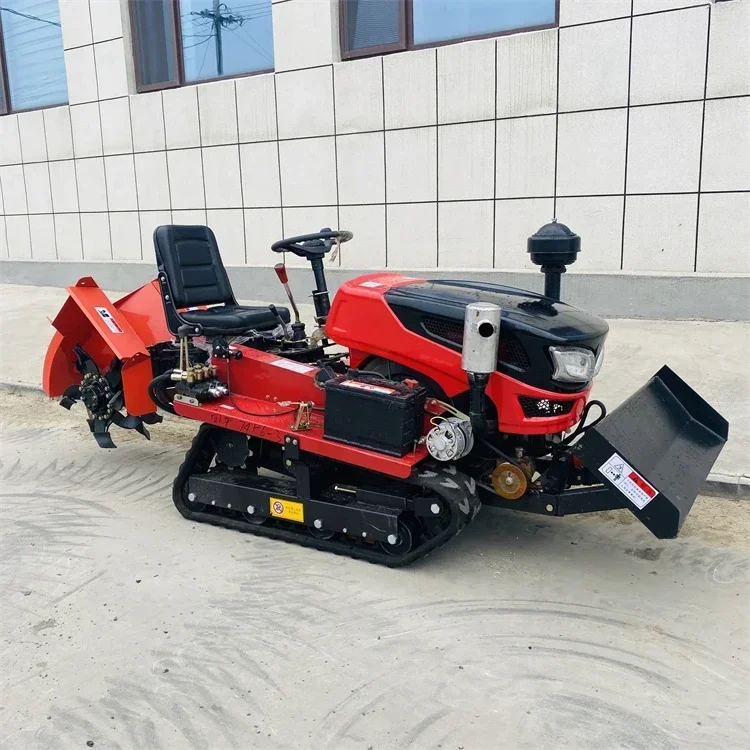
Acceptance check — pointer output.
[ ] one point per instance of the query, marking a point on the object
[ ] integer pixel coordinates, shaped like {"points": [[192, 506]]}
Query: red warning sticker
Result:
{"points": [[628, 481], [109, 321]]}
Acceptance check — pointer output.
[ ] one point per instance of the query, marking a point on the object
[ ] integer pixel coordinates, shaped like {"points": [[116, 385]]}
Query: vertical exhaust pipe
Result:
{"points": [[479, 358], [553, 247]]}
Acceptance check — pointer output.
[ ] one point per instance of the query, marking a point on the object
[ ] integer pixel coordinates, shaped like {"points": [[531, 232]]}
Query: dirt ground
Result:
{"points": [[124, 625]]}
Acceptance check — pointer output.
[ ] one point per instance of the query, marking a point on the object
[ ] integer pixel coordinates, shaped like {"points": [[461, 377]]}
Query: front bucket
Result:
{"points": [[657, 449]]}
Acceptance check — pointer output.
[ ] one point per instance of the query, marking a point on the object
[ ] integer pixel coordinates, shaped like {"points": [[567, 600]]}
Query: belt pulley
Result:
{"points": [[101, 394]]}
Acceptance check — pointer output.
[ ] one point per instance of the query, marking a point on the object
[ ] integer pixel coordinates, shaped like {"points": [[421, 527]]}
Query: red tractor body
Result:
{"points": [[381, 434]]}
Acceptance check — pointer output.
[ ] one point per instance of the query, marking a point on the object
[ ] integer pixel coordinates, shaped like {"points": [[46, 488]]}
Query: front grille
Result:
{"points": [[510, 351], [544, 407]]}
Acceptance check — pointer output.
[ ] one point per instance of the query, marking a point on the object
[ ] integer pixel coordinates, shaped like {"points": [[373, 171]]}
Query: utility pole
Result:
{"points": [[220, 18], [217, 17]]}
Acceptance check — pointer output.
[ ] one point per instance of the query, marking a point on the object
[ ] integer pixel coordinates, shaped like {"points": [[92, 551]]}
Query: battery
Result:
{"points": [[371, 412]]}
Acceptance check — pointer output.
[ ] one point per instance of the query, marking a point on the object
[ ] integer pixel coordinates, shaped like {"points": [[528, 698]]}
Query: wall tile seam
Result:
{"points": [[703, 134], [135, 177], [49, 180], [336, 159], [437, 158], [96, 100], [101, 135], [93, 44], [494, 150], [239, 168], [325, 65], [278, 151], [292, 70], [166, 160], [200, 140], [385, 161], [694, 100], [557, 124], [25, 192], [548, 196], [627, 139], [521, 198], [632, 14], [380, 130]]}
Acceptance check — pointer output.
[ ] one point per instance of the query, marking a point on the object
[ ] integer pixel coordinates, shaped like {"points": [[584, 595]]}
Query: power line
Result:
{"points": [[27, 16], [252, 43], [198, 44], [203, 62], [251, 7]]}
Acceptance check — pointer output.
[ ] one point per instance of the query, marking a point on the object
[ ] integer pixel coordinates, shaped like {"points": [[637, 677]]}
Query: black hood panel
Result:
{"points": [[556, 322], [531, 320]]}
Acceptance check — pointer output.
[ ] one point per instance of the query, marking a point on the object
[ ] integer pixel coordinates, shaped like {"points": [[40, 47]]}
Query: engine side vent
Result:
{"points": [[544, 407], [450, 330], [510, 351]]}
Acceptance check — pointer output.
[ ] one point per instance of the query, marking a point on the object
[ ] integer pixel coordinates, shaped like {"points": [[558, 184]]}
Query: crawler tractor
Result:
{"points": [[381, 433]]}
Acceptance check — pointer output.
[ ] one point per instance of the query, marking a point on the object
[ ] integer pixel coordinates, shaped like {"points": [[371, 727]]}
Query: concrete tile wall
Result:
{"points": [[629, 122]]}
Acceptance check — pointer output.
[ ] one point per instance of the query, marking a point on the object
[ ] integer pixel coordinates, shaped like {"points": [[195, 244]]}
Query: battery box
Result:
{"points": [[371, 412]]}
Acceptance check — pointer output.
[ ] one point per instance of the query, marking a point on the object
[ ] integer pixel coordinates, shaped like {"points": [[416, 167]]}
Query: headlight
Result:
{"points": [[599, 360], [573, 364]]}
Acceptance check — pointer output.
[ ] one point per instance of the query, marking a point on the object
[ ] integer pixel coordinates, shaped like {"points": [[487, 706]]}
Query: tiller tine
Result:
{"points": [[103, 397], [100, 430], [71, 394], [129, 422], [656, 449], [84, 364]]}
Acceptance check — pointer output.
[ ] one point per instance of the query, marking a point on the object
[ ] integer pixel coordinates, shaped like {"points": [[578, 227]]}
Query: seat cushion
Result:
{"points": [[235, 318]]}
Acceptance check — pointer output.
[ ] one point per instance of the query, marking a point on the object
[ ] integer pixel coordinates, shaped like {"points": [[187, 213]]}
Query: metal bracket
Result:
{"points": [[302, 420], [186, 399], [291, 448], [296, 466]]}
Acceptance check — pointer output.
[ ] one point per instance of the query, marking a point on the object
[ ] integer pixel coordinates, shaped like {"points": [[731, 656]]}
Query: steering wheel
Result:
{"points": [[312, 245]]}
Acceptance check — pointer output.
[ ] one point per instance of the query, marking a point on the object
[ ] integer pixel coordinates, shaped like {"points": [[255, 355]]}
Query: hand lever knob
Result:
{"points": [[280, 269]]}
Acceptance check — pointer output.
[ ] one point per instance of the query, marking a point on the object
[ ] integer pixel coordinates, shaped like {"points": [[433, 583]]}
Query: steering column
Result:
{"points": [[313, 247]]}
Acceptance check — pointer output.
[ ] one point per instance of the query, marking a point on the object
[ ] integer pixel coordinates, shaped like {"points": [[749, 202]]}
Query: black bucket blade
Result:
{"points": [[657, 449]]}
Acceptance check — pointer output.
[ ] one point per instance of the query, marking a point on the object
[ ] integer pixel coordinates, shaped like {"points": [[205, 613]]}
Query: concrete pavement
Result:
{"points": [[710, 356], [126, 627]]}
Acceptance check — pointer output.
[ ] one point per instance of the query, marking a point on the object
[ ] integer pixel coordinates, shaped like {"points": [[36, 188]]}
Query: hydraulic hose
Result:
{"points": [[155, 390], [582, 426]]}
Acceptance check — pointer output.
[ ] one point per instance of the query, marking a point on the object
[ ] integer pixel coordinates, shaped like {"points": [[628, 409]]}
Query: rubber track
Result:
{"points": [[455, 488]]}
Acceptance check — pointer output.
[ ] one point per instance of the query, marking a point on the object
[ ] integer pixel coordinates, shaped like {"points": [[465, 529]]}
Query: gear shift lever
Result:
{"points": [[298, 328]]}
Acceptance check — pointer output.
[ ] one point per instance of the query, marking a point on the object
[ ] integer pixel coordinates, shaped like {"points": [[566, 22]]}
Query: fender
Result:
{"points": [[124, 329]]}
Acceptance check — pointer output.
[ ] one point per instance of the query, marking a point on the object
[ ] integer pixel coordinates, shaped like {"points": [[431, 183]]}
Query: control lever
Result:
{"points": [[276, 314], [298, 328]]}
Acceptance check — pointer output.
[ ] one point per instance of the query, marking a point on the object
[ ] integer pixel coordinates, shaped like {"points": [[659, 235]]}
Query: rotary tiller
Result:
{"points": [[380, 434]]}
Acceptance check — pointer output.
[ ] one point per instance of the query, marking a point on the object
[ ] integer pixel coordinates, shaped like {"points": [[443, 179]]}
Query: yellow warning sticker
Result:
{"points": [[287, 509]]}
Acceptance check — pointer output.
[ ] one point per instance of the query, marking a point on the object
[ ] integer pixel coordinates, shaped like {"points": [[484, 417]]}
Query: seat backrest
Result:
{"points": [[189, 257]]}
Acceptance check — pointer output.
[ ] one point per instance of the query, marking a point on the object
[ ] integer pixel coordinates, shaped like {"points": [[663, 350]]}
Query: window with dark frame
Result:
{"points": [[374, 27], [32, 63], [186, 41]]}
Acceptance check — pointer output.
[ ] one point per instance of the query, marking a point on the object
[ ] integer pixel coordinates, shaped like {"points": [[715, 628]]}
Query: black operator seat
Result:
{"points": [[191, 274]]}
